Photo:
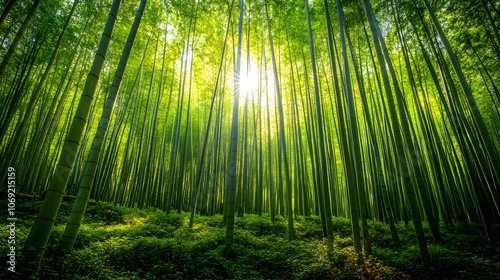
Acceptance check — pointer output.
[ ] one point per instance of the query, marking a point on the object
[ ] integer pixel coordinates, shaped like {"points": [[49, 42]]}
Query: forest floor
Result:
{"points": [[121, 243]]}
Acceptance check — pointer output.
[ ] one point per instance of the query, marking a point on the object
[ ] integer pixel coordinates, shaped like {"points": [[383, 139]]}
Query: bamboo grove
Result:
{"points": [[383, 110]]}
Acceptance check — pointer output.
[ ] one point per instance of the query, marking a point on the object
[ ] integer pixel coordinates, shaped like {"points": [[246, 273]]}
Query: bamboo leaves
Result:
{"points": [[335, 121]]}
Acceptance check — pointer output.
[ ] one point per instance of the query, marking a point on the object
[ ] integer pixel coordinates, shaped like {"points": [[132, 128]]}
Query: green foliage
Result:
{"points": [[107, 213], [308, 227], [123, 243], [465, 253], [342, 226], [259, 226], [381, 234]]}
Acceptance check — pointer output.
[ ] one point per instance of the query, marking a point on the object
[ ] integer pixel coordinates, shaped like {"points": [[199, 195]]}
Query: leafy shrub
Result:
{"points": [[259, 226], [160, 218], [406, 257], [342, 226], [211, 221], [343, 242], [380, 234], [104, 212], [309, 228], [91, 262]]}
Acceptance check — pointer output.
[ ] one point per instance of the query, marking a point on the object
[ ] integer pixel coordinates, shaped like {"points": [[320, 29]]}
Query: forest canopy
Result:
{"points": [[368, 110]]}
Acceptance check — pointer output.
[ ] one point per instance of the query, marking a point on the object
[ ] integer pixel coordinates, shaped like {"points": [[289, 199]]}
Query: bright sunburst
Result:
{"points": [[249, 83], [249, 80]]}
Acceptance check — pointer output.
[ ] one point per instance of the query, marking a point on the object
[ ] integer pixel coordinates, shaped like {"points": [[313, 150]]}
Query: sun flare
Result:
{"points": [[248, 83]]}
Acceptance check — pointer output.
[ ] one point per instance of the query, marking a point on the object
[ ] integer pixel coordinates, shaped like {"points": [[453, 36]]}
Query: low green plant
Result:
{"points": [[121, 243]]}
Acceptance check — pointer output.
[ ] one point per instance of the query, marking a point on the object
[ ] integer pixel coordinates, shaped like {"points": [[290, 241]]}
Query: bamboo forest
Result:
{"points": [[250, 139]]}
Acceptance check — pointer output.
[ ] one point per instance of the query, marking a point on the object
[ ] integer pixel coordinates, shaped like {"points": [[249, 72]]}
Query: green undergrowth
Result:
{"points": [[116, 242]]}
